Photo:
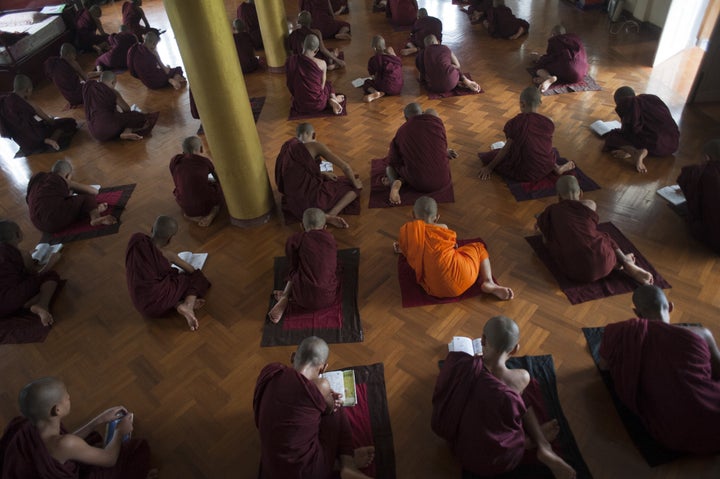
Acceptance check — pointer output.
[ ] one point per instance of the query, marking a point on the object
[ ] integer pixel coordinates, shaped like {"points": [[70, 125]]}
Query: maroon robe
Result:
{"points": [[646, 123], [313, 271], [502, 23], [401, 12], [52, 205], [104, 121], [247, 12], [701, 186], [337, 4], [663, 373], [155, 286], [23, 454], [565, 58], [436, 69], [296, 39], [85, 31], [304, 80], [418, 153], [17, 284], [65, 78], [298, 178], [17, 121], [479, 415], [322, 17], [583, 253], [387, 74], [143, 64], [298, 439], [422, 28], [116, 57], [193, 192], [132, 15], [246, 52]]}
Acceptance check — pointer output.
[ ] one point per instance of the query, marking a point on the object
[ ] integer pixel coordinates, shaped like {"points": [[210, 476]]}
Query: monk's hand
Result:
{"points": [[357, 183], [125, 426], [111, 414], [330, 175], [452, 154], [485, 173], [337, 401]]}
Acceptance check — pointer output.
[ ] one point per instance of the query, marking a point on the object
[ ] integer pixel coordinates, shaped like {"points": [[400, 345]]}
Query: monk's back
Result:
{"points": [[419, 153], [650, 123], [532, 152], [44, 197], [313, 268], [440, 74]]}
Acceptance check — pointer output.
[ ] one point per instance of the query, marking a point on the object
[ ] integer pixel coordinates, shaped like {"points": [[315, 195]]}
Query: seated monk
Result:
{"points": [[487, 412], [87, 26], [17, 120], [324, 19], [701, 186], [105, 122], [303, 185], [56, 201], [132, 15], [424, 25], [477, 10], [198, 196], [565, 60], [311, 284], [303, 429], [443, 269], [37, 444], [528, 154], [569, 231], [440, 69], [144, 62], [296, 41], [67, 75], [385, 69], [244, 47], [419, 154], [247, 12], [24, 284], [401, 12], [307, 81], [116, 57], [648, 128], [667, 374], [156, 288], [500, 22]]}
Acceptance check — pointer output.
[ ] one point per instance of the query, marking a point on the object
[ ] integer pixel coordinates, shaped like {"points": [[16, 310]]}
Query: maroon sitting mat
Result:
{"points": [[340, 323], [380, 193], [256, 104], [116, 197], [414, 295], [294, 115], [613, 284], [25, 327], [586, 84], [457, 91]]}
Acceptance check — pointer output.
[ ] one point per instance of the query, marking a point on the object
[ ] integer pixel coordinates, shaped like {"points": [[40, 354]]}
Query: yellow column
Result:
{"points": [[274, 30], [204, 37]]}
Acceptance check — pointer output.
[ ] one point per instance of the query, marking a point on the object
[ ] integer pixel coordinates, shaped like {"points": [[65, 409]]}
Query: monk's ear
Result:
{"points": [[514, 350], [671, 306], [292, 358], [54, 411]]}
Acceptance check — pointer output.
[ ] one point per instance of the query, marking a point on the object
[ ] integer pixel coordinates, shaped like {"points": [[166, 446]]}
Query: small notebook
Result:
{"points": [[326, 166], [673, 194], [343, 382], [42, 252], [497, 145], [196, 260], [463, 344], [358, 82], [602, 128], [110, 430]]}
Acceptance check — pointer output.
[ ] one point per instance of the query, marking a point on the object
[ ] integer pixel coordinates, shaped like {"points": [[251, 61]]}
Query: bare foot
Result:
{"points": [[638, 274], [336, 106], [373, 96], [562, 169], [103, 220], [336, 221], [559, 468], [395, 192], [277, 311], [638, 157], [620, 154], [490, 287], [471, 85], [343, 36], [546, 84], [519, 33], [52, 143], [205, 221], [189, 316], [192, 218], [153, 474], [408, 51], [130, 136], [102, 207], [363, 456], [45, 317]]}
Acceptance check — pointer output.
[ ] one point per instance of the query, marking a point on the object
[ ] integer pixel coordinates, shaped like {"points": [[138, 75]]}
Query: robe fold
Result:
{"points": [[583, 253], [155, 287], [23, 454], [387, 74], [17, 284], [502, 23], [323, 18], [116, 57], [422, 28], [418, 153], [86, 35], [565, 58], [104, 121], [304, 80], [144, 65], [646, 123], [17, 121], [193, 192], [401, 12], [52, 205], [701, 186], [313, 269], [298, 178], [298, 440], [65, 78], [132, 15], [247, 12], [436, 68], [245, 51], [441, 268], [479, 415], [663, 373]]}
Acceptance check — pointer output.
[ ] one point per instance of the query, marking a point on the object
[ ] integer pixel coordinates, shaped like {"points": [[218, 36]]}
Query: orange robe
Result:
{"points": [[441, 268]]}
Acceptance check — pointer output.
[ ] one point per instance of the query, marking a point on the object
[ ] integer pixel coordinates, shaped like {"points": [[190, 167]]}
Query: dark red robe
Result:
{"points": [[583, 253], [401, 12], [104, 121], [646, 123], [247, 12], [565, 58], [52, 205], [422, 28], [17, 121], [502, 23], [436, 69], [143, 64], [23, 454], [298, 440], [132, 15], [155, 286], [479, 415], [245, 51], [85, 31], [313, 269], [662, 373], [298, 178], [322, 17], [116, 57], [193, 192], [387, 74], [418, 153], [65, 78], [17, 284], [701, 186], [304, 80]]}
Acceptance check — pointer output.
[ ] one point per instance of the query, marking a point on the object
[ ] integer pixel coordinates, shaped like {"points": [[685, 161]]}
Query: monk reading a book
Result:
{"points": [[565, 60], [669, 375], [116, 57], [303, 430], [440, 69], [296, 40], [67, 75], [144, 63], [385, 69], [244, 47], [488, 412], [443, 269], [89, 32]]}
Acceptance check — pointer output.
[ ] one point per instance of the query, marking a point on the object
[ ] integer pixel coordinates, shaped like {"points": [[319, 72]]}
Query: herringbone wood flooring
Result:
{"points": [[192, 392]]}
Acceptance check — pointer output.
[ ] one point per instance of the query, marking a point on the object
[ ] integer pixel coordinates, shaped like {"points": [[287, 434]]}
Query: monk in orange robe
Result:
{"points": [[443, 269], [296, 41], [385, 69]]}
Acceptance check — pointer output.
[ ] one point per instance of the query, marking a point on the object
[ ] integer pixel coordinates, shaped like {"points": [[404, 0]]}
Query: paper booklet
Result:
{"points": [[602, 128], [358, 82], [463, 344], [343, 382], [196, 260], [497, 145], [326, 166], [42, 252], [673, 194]]}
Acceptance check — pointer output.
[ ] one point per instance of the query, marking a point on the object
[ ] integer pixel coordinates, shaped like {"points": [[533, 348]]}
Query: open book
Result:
{"points": [[42, 252], [497, 145], [326, 166], [196, 260], [602, 128], [462, 344], [343, 382], [358, 82], [673, 194], [110, 430]]}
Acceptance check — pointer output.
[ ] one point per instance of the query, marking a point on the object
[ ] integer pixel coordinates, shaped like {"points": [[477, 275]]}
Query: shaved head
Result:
{"points": [[567, 187], [502, 333], [425, 208], [107, 77], [238, 25], [559, 30], [165, 227], [531, 97], [623, 92], [430, 40], [151, 38], [22, 83], [712, 149], [378, 43], [313, 219], [651, 303], [9, 231], [38, 398], [311, 43], [412, 109], [191, 145], [67, 50], [312, 351], [304, 128], [422, 13], [62, 167], [304, 18]]}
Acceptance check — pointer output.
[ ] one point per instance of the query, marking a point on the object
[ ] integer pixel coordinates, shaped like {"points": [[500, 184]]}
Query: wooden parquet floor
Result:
{"points": [[192, 392]]}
